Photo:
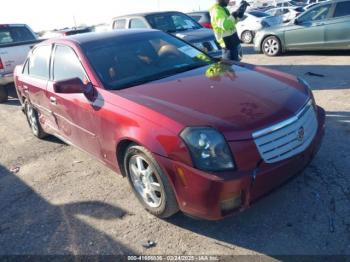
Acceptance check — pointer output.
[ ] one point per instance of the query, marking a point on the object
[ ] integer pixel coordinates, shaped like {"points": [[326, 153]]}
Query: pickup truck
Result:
{"points": [[15, 42]]}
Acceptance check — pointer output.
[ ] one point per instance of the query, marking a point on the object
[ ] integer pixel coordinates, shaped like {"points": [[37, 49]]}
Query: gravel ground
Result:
{"points": [[61, 201]]}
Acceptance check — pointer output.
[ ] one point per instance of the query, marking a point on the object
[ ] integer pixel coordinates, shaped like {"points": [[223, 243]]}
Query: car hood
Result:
{"points": [[236, 100], [194, 36]]}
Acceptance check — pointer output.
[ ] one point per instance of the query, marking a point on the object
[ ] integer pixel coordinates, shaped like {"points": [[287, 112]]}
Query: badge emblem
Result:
{"points": [[301, 134]]}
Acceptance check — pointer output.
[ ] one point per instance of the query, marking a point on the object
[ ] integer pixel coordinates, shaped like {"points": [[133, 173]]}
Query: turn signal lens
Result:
{"points": [[231, 204]]}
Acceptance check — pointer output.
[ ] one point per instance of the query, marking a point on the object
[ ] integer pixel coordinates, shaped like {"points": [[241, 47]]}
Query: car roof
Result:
{"points": [[82, 39], [146, 14]]}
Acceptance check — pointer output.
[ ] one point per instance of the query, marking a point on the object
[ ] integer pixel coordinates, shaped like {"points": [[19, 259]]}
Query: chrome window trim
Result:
{"points": [[285, 123]]}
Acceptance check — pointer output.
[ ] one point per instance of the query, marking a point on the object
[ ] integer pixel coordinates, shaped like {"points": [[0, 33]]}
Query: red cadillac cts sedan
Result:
{"points": [[189, 132]]}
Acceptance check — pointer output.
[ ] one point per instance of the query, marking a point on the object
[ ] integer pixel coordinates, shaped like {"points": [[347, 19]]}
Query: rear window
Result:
{"points": [[342, 9], [137, 23], [16, 34]]}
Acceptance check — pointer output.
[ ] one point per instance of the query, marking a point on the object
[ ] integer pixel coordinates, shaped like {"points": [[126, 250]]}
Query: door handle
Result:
{"points": [[53, 100]]}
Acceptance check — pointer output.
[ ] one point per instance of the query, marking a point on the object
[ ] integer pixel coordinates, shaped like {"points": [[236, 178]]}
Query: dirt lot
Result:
{"points": [[64, 202]]}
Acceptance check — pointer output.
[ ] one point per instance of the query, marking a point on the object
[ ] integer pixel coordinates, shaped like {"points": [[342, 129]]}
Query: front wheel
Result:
{"points": [[3, 94], [149, 183], [271, 46]]}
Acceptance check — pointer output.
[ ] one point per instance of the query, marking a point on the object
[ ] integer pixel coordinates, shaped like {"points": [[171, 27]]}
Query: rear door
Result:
{"points": [[337, 28], [309, 33], [34, 79], [73, 112]]}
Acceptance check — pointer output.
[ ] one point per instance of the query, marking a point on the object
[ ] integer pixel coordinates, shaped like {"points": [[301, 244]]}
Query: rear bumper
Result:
{"points": [[6, 79], [201, 194]]}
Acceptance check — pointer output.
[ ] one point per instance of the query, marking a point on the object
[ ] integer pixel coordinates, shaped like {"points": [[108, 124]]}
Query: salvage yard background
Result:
{"points": [[57, 200]]}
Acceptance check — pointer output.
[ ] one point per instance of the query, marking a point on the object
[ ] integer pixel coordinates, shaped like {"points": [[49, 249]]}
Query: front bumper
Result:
{"points": [[6, 79], [201, 195]]}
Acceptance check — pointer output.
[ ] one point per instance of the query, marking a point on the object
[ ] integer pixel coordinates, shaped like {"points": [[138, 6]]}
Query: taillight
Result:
{"points": [[1, 65], [207, 25]]}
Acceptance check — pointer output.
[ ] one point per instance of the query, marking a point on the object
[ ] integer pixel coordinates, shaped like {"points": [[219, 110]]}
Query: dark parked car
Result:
{"points": [[188, 132], [176, 23], [203, 18], [325, 26]]}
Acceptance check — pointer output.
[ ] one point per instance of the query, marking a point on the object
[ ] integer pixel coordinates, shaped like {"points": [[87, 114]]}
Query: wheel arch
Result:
{"points": [[121, 148]]}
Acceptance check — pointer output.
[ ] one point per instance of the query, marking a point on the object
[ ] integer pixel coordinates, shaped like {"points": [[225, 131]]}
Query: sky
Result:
{"points": [[51, 14]]}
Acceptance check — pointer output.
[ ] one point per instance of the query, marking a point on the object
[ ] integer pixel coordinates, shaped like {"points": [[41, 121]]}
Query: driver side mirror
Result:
{"points": [[74, 86], [296, 21]]}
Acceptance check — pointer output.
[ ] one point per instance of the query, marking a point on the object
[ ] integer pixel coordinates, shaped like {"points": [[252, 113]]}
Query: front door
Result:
{"points": [[73, 112], [309, 32]]}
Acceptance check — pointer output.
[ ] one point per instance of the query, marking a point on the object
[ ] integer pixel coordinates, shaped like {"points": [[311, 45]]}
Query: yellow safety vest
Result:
{"points": [[222, 22]]}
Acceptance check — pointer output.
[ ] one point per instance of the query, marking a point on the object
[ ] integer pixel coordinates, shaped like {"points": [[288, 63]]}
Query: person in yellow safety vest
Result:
{"points": [[224, 26]]}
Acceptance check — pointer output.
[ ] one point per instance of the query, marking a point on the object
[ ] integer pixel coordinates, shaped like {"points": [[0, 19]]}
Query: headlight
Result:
{"points": [[208, 149]]}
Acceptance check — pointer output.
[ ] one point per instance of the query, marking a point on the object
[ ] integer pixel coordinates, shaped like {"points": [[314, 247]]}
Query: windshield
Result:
{"points": [[130, 60], [172, 22], [258, 14]]}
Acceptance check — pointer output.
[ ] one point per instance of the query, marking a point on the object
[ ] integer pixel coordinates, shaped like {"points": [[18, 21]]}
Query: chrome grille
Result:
{"points": [[288, 138]]}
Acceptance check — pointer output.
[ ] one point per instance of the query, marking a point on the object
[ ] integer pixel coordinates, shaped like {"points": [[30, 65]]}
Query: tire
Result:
{"points": [[33, 120], [3, 94], [149, 183], [247, 37], [271, 46]]}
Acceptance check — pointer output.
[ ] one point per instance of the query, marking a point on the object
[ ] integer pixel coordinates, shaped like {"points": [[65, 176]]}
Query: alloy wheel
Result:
{"points": [[247, 37], [32, 118], [145, 181], [271, 46]]}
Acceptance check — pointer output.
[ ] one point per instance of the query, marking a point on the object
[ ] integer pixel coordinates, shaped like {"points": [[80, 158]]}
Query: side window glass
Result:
{"points": [[66, 65], [137, 23], [39, 62], [119, 24], [316, 14], [342, 9]]}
